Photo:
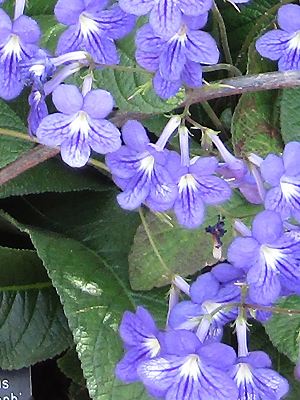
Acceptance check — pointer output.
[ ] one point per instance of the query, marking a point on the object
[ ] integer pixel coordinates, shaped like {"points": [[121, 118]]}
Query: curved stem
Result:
{"points": [[223, 34]]}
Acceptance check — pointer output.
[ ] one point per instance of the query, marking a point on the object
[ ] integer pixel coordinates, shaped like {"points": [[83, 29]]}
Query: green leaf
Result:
{"points": [[125, 85], [284, 329], [10, 147], [51, 30], [70, 365], [183, 251], [254, 122], [51, 176], [289, 115], [29, 303], [259, 340], [88, 266]]}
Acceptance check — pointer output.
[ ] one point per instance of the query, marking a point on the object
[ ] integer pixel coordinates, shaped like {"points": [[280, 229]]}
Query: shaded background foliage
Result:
{"points": [[73, 261]]}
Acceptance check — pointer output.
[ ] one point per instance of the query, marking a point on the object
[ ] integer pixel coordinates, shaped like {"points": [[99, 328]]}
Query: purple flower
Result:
{"points": [[176, 60], [139, 169], [197, 187], [140, 336], [79, 126], [271, 257], [18, 44], [92, 28], [283, 175], [187, 369], [38, 110], [166, 15], [208, 293], [283, 44], [256, 380]]}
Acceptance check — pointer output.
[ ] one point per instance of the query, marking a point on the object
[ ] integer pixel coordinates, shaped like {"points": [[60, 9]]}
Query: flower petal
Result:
{"points": [[185, 315], [289, 17], [195, 7], [67, 12], [290, 59], [147, 40], [225, 272], [98, 103], [67, 99], [272, 169], [27, 29], [54, 128], [273, 44], [75, 151], [123, 163], [267, 227], [213, 190], [136, 7], [148, 60], [11, 80], [165, 89], [201, 47], [163, 192], [69, 40], [103, 50], [165, 18], [291, 157], [134, 135], [218, 355], [204, 288], [242, 252], [126, 369], [5, 27], [269, 383], [276, 201], [104, 137], [192, 74], [197, 22], [135, 192], [115, 23], [172, 60], [203, 166]]}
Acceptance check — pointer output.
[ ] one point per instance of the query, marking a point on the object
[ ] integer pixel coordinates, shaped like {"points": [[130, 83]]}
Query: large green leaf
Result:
{"points": [[32, 323], [289, 115], [284, 329], [88, 266], [183, 251], [51, 176], [11, 148], [254, 122]]}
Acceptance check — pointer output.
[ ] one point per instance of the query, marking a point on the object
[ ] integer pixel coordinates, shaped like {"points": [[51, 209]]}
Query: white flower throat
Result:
{"points": [[87, 25], [294, 43], [12, 46]]}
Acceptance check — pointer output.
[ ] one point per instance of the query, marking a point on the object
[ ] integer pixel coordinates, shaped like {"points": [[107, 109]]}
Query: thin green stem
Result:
{"points": [[212, 115], [223, 34], [219, 67], [98, 164], [16, 134], [153, 245]]}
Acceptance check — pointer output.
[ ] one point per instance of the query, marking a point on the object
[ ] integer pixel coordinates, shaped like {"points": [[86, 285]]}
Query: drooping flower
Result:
{"points": [[271, 257], [38, 110], [80, 125], [197, 184], [18, 44], [166, 15], [92, 28], [210, 291], [283, 44], [139, 168], [141, 340], [283, 175], [177, 59], [187, 369]]}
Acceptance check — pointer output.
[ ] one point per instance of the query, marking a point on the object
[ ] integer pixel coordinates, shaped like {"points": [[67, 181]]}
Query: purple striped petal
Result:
{"points": [[213, 190], [147, 40], [172, 60], [54, 129], [135, 192], [103, 136], [136, 7], [115, 23], [185, 315], [192, 74], [165, 18], [290, 60], [291, 156], [276, 201], [201, 47], [123, 163], [148, 60], [75, 151], [273, 44], [69, 40], [272, 169], [163, 192], [195, 7], [165, 89]]}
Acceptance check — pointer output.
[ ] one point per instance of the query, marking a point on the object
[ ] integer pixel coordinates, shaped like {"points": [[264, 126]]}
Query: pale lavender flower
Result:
{"points": [[188, 369], [178, 59], [141, 341], [271, 257], [283, 175], [80, 125], [166, 15], [283, 44], [18, 44], [92, 28], [139, 168]]}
